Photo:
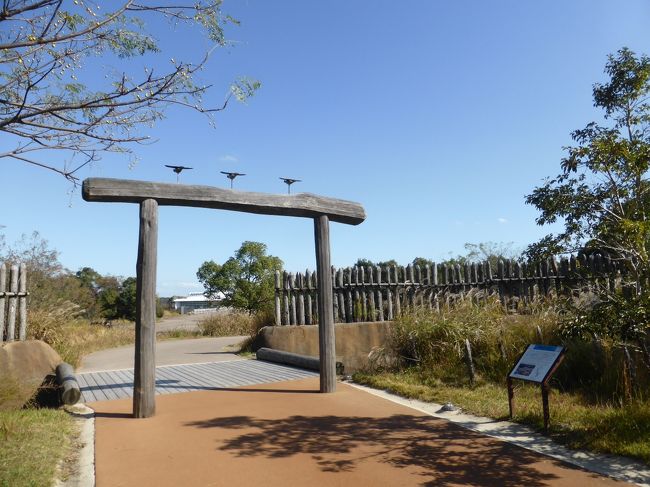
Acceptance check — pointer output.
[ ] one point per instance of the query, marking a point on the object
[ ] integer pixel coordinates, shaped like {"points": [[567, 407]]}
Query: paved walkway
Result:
{"points": [[118, 384], [287, 433], [169, 352]]}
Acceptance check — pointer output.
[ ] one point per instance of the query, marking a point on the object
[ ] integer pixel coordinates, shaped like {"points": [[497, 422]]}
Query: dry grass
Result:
{"points": [[73, 337], [233, 323]]}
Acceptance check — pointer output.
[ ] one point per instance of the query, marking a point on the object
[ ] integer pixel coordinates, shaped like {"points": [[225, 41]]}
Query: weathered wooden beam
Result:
{"points": [[326, 339], [300, 205], [144, 386]]}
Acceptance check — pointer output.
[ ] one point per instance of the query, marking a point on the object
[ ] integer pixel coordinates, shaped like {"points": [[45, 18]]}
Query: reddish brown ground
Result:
{"points": [[286, 434]]}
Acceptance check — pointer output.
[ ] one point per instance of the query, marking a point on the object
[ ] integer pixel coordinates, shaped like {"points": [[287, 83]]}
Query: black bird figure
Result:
{"points": [[232, 176], [289, 182], [177, 170]]}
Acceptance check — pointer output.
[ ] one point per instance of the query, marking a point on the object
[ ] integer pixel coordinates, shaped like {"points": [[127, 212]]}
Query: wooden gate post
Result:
{"points": [[144, 388], [326, 337]]}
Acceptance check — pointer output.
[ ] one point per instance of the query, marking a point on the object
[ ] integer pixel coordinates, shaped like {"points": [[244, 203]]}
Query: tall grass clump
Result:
{"points": [[233, 323], [434, 340], [62, 327]]}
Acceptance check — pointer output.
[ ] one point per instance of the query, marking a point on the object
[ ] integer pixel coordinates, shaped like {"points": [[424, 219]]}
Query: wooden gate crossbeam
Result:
{"points": [[300, 205], [149, 195]]}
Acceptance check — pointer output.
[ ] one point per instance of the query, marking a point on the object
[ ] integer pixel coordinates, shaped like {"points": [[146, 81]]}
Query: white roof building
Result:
{"points": [[194, 301]]}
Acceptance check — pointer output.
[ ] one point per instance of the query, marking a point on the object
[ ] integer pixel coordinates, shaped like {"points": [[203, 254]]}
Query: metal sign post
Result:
{"points": [[537, 364]]}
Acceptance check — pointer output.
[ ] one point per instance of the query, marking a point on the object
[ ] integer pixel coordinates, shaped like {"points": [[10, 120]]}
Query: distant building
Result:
{"points": [[196, 301]]}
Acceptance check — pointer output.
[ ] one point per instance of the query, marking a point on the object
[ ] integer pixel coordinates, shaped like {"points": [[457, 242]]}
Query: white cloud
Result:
{"points": [[229, 158], [502, 220]]}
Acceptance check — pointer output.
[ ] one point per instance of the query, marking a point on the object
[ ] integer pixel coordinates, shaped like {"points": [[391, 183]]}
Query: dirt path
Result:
{"points": [[288, 434]]}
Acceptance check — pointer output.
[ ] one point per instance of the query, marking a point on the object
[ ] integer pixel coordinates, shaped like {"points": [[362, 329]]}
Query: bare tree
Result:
{"points": [[50, 99]]}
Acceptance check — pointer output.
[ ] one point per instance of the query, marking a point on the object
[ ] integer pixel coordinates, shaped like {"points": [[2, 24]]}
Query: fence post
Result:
{"points": [[309, 307], [13, 289], [349, 314], [301, 299], [278, 311], [22, 302], [3, 301], [285, 298], [380, 299]]}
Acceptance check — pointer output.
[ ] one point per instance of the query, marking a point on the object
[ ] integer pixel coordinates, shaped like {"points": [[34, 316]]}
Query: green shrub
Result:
{"points": [[160, 311]]}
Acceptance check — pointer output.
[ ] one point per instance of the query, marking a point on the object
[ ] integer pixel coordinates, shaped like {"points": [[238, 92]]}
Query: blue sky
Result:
{"points": [[439, 117]]}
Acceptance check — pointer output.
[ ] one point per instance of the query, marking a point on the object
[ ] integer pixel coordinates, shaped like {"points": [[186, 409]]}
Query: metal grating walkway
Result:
{"points": [[118, 384]]}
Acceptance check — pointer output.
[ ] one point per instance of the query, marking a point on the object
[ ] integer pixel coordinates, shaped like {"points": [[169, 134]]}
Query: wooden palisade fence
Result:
{"points": [[13, 302], [381, 293]]}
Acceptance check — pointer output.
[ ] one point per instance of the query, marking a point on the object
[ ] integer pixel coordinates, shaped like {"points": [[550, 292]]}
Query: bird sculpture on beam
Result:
{"points": [[232, 176], [178, 170], [289, 182]]}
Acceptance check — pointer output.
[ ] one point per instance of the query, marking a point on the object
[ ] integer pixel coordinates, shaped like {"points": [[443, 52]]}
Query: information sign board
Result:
{"points": [[536, 363]]}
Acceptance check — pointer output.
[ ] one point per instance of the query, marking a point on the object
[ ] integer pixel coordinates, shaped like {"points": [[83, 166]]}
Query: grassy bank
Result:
{"points": [[33, 442], [592, 403], [73, 337]]}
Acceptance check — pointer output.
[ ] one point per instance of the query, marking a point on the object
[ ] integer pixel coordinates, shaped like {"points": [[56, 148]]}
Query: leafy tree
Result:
{"points": [[601, 195], [54, 97], [422, 262], [387, 263], [491, 252], [126, 301], [365, 263], [247, 279]]}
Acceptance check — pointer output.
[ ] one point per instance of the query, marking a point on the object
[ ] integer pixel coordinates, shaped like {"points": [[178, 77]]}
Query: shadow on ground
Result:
{"points": [[441, 453]]}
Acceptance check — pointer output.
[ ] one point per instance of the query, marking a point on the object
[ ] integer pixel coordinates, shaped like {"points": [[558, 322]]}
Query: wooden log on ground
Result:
{"points": [[294, 359], [69, 387], [300, 205], [144, 386], [326, 337]]}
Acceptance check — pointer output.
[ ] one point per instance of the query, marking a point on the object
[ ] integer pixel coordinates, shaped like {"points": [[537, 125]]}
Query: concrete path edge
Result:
{"points": [[619, 468], [83, 474]]}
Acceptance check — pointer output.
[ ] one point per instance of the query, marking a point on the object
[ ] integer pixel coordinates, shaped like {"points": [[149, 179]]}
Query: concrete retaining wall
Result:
{"points": [[354, 341]]}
